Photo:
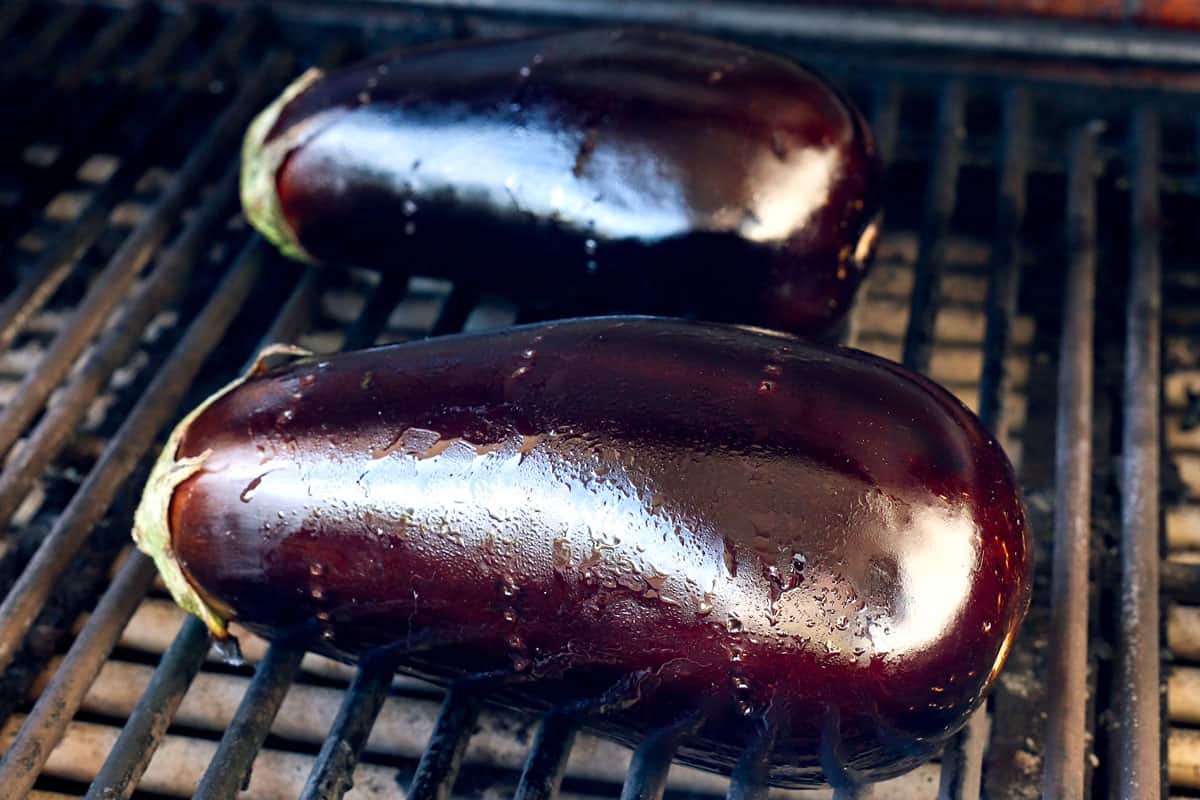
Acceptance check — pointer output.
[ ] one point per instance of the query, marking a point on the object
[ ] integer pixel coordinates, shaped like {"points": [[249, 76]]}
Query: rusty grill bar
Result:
{"points": [[332, 773], [1137, 679], [1067, 682], [939, 205], [938, 300]]}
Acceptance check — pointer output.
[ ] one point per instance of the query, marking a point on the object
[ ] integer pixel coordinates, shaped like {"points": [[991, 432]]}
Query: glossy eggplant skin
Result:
{"points": [[685, 517], [628, 170]]}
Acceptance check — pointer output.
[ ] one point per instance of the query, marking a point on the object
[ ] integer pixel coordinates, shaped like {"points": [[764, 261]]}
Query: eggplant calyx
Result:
{"points": [[261, 161], [152, 520], [291, 351], [152, 531]]}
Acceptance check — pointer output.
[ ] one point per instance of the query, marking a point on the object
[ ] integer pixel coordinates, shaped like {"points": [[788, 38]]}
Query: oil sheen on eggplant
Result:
{"points": [[636, 170], [805, 543]]}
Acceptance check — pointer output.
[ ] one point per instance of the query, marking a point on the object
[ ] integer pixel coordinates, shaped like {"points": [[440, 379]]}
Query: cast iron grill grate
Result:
{"points": [[1040, 212]]}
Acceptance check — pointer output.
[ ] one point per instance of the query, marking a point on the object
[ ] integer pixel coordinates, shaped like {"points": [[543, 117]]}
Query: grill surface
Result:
{"points": [[1037, 221]]}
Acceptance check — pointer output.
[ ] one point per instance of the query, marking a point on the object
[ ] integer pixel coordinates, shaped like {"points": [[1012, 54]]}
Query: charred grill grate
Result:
{"points": [[1036, 216]]}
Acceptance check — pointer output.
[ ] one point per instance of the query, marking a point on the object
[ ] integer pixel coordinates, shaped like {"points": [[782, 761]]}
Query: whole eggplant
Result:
{"points": [[627, 170], [673, 520]]}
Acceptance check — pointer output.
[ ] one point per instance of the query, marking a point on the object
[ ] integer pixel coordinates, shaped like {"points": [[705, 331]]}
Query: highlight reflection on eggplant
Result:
{"points": [[638, 170], [707, 518]]}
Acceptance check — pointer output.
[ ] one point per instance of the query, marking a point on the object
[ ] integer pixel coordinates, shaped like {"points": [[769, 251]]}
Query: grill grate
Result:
{"points": [[1020, 214], [1137, 677], [1067, 687]]}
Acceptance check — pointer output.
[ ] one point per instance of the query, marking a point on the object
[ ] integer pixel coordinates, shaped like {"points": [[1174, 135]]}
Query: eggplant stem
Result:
{"points": [[261, 161], [152, 520]]}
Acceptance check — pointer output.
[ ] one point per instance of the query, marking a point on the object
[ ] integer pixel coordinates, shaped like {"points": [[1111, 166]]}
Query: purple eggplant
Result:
{"points": [[618, 170], [656, 520]]}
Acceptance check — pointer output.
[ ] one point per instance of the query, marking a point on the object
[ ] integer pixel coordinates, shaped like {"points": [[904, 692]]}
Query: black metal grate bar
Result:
{"points": [[53, 267], [120, 457], [364, 330], [438, 767], [44, 45], [104, 46], [62, 698], [885, 126], [749, 778], [1137, 694], [70, 80], [332, 775], [940, 198], [543, 772], [1067, 688], [11, 15], [112, 284], [1004, 278], [229, 769], [296, 311], [647, 777], [885, 119], [37, 184], [59, 701], [455, 310], [962, 762], [241, 30], [144, 729], [162, 51], [113, 348]]}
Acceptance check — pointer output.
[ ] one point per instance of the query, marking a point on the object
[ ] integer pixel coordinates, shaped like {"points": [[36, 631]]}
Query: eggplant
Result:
{"points": [[616, 170], [660, 521]]}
